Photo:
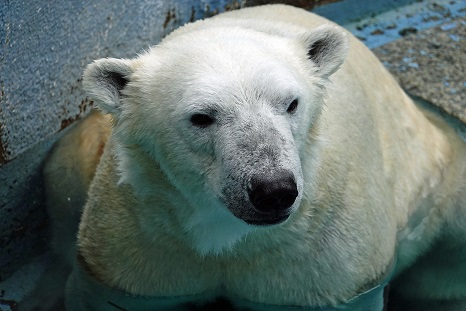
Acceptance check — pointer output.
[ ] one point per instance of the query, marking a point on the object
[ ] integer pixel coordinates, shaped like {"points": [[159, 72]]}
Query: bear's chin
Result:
{"points": [[216, 231]]}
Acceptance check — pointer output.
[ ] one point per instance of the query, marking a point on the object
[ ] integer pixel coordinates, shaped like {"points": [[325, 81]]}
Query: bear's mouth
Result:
{"points": [[267, 221]]}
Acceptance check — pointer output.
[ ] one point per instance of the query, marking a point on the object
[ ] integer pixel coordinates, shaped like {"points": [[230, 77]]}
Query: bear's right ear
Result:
{"points": [[104, 80]]}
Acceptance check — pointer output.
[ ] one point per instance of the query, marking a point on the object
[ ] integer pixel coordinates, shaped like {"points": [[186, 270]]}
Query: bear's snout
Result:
{"points": [[272, 195]]}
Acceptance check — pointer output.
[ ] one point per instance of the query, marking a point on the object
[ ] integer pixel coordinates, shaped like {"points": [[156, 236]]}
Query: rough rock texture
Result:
{"points": [[431, 64]]}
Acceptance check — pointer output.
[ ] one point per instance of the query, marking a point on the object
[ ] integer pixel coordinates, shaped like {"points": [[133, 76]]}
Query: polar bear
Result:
{"points": [[265, 156]]}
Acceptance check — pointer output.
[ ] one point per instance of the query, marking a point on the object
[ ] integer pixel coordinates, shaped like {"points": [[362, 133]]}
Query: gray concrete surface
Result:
{"points": [[431, 65]]}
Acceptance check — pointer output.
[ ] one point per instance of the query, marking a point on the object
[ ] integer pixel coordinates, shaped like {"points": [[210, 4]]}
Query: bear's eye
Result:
{"points": [[201, 120], [292, 107]]}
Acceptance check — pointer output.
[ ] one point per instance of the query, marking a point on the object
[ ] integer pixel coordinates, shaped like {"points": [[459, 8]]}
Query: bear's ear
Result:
{"points": [[327, 47], [104, 80]]}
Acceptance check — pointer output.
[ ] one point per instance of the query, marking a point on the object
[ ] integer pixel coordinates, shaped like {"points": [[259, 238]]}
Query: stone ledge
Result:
{"points": [[431, 64]]}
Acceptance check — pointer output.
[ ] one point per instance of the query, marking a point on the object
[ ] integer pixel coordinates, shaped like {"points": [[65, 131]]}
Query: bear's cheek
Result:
{"points": [[182, 151]]}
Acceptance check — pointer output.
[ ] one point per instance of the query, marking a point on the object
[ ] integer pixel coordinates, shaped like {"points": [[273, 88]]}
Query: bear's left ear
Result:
{"points": [[327, 47], [104, 80]]}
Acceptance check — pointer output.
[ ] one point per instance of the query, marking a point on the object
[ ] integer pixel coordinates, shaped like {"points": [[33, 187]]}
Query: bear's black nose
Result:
{"points": [[273, 193]]}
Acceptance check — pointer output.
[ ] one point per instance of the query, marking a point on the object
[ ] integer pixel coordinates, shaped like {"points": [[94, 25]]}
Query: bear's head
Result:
{"points": [[225, 113]]}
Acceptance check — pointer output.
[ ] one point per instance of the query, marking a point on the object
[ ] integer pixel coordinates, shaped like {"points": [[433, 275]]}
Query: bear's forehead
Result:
{"points": [[234, 66], [225, 62], [225, 49]]}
